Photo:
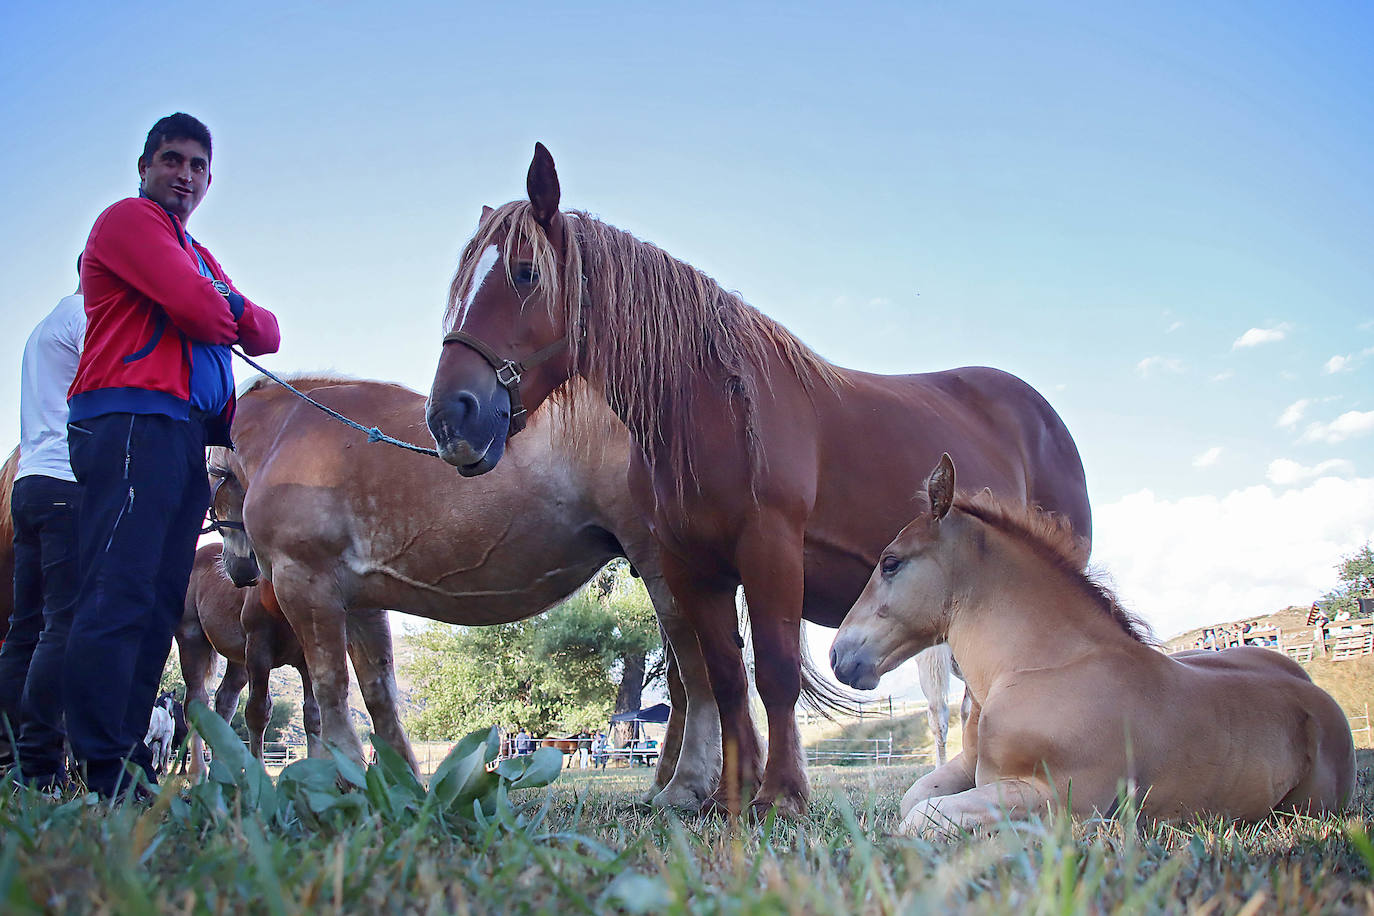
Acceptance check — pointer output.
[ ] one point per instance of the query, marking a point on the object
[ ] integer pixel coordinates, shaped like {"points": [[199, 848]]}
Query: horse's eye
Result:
{"points": [[525, 274], [889, 566]]}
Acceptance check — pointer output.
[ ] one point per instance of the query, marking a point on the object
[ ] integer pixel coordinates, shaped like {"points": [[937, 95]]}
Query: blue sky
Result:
{"points": [[1111, 203]]}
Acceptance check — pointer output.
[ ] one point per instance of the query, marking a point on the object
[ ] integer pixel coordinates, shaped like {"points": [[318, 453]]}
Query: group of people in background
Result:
{"points": [[124, 384], [592, 750]]}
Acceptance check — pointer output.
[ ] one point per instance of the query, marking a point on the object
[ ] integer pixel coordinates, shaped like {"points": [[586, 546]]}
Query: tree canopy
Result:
{"points": [[555, 673], [1356, 573]]}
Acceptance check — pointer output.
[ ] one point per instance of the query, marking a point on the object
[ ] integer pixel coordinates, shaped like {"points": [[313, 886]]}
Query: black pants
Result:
{"points": [[44, 510], [144, 495]]}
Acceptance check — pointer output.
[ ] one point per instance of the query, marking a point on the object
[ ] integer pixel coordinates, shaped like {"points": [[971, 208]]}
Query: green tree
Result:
{"points": [[558, 672], [1356, 574]]}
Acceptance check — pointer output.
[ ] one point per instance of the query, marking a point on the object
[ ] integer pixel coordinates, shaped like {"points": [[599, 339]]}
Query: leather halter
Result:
{"points": [[509, 371], [214, 522]]}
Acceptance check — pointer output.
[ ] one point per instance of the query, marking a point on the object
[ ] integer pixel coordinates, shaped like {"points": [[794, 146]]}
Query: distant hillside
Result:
{"points": [[1350, 681]]}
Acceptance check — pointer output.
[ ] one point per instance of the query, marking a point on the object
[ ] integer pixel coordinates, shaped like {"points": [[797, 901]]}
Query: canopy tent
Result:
{"points": [[656, 713]]}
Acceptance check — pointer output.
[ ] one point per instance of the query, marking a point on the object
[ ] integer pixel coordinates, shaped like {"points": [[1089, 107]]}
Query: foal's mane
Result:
{"points": [[650, 325], [1052, 539]]}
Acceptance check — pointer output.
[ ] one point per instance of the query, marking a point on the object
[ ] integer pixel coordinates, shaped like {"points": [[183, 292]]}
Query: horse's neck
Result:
{"points": [[1015, 614]]}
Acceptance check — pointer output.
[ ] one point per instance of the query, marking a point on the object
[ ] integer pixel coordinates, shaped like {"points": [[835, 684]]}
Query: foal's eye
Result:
{"points": [[525, 274], [889, 566]]}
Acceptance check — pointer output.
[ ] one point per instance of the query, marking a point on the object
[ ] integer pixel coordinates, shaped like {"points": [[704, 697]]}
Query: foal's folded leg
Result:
{"points": [[981, 808]]}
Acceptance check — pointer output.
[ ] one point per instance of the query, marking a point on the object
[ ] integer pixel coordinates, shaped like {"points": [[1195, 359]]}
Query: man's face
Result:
{"points": [[177, 176]]}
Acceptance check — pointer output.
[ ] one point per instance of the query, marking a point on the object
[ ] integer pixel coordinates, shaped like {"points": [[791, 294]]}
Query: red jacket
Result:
{"points": [[145, 300]]}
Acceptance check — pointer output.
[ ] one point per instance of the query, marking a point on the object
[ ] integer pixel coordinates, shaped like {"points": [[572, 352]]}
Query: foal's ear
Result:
{"points": [[940, 488], [541, 183]]}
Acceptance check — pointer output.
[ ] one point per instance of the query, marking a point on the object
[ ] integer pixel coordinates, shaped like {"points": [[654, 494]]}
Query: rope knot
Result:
{"points": [[375, 435]]}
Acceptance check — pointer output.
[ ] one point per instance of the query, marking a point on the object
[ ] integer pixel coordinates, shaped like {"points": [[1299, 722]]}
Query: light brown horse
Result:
{"points": [[7, 473], [344, 530], [758, 462], [1075, 702], [246, 626]]}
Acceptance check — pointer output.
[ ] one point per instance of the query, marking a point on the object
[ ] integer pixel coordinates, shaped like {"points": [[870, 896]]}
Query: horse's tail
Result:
{"points": [[822, 694], [819, 693], [6, 486]]}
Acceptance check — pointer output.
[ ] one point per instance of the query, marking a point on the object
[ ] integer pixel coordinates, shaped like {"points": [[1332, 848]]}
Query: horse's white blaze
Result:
{"points": [[485, 265]]}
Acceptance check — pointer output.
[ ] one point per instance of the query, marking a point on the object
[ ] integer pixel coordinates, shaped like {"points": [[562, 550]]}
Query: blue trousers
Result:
{"points": [[44, 510], [144, 496]]}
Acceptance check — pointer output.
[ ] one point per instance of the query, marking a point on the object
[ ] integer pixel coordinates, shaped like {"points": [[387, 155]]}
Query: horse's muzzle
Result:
{"points": [[466, 435]]}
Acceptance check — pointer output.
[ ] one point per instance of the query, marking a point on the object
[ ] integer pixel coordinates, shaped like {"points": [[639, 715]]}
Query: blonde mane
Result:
{"points": [[6, 487], [1051, 537], [646, 327]]}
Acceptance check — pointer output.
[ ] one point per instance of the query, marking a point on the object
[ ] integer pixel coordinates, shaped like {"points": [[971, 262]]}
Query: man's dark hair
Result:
{"points": [[179, 126]]}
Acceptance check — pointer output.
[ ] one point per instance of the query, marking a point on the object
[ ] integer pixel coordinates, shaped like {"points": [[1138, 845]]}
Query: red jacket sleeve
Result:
{"points": [[135, 240], [257, 327]]}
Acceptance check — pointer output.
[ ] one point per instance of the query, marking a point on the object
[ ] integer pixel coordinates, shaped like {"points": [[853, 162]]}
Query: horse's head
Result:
{"points": [[907, 604], [226, 514], [508, 323]]}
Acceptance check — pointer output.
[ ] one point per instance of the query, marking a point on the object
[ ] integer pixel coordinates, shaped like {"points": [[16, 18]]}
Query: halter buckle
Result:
{"points": [[508, 373]]}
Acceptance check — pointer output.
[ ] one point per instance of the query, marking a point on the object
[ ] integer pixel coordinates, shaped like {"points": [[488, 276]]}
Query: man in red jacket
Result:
{"points": [[153, 388]]}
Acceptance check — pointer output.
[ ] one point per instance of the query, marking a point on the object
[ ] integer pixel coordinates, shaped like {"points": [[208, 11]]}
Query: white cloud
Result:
{"points": [[1208, 458], [1336, 364], [1293, 412], [1256, 336], [1173, 327], [1223, 375], [1348, 425], [1285, 472], [1186, 562], [1147, 366]]}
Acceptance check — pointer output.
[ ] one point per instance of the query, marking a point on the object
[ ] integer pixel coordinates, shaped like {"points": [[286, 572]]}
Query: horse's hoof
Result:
{"points": [[789, 807], [715, 806], [678, 798]]}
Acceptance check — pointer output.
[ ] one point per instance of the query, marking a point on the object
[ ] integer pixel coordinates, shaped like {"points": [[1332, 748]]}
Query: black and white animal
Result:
{"points": [[161, 733]]}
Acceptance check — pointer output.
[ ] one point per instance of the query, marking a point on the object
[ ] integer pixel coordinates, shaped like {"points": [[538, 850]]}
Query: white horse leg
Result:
{"points": [[933, 667]]}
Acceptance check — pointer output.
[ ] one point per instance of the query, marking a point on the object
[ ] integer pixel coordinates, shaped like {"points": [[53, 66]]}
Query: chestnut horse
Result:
{"points": [[7, 472], [757, 462], [1075, 702], [345, 530], [246, 626]]}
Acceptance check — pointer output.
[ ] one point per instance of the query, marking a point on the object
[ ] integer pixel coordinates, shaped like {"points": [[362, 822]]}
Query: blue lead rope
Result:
{"points": [[373, 434]]}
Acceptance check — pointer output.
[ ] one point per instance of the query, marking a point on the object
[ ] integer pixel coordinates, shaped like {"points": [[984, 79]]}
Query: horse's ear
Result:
{"points": [[541, 183], [486, 211], [940, 488]]}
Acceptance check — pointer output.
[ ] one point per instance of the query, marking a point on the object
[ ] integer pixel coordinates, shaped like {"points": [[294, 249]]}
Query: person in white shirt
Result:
{"points": [[43, 503]]}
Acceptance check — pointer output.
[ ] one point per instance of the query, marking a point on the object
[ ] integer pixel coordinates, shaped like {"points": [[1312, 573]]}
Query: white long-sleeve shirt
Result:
{"points": [[50, 359]]}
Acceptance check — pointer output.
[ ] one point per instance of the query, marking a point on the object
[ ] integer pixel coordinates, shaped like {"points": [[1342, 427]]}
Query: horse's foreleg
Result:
{"points": [[230, 686], [369, 645], [981, 808], [312, 606], [197, 658], [258, 659], [710, 610], [770, 561], [687, 771], [310, 714]]}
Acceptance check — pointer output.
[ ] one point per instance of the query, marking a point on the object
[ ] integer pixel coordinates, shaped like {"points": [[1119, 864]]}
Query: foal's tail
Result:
{"points": [[6, 486]]}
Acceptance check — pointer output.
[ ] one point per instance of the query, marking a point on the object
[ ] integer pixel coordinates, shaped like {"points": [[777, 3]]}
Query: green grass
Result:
{"points": [[583, 845]]}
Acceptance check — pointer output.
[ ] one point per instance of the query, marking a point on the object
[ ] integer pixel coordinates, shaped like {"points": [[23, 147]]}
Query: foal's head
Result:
{"points": [[906, 605], [226, 508], [507, 325]]}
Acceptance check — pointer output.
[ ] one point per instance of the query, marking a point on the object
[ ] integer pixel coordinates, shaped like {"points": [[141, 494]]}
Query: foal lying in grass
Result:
{"points": [[1075, 703]]}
